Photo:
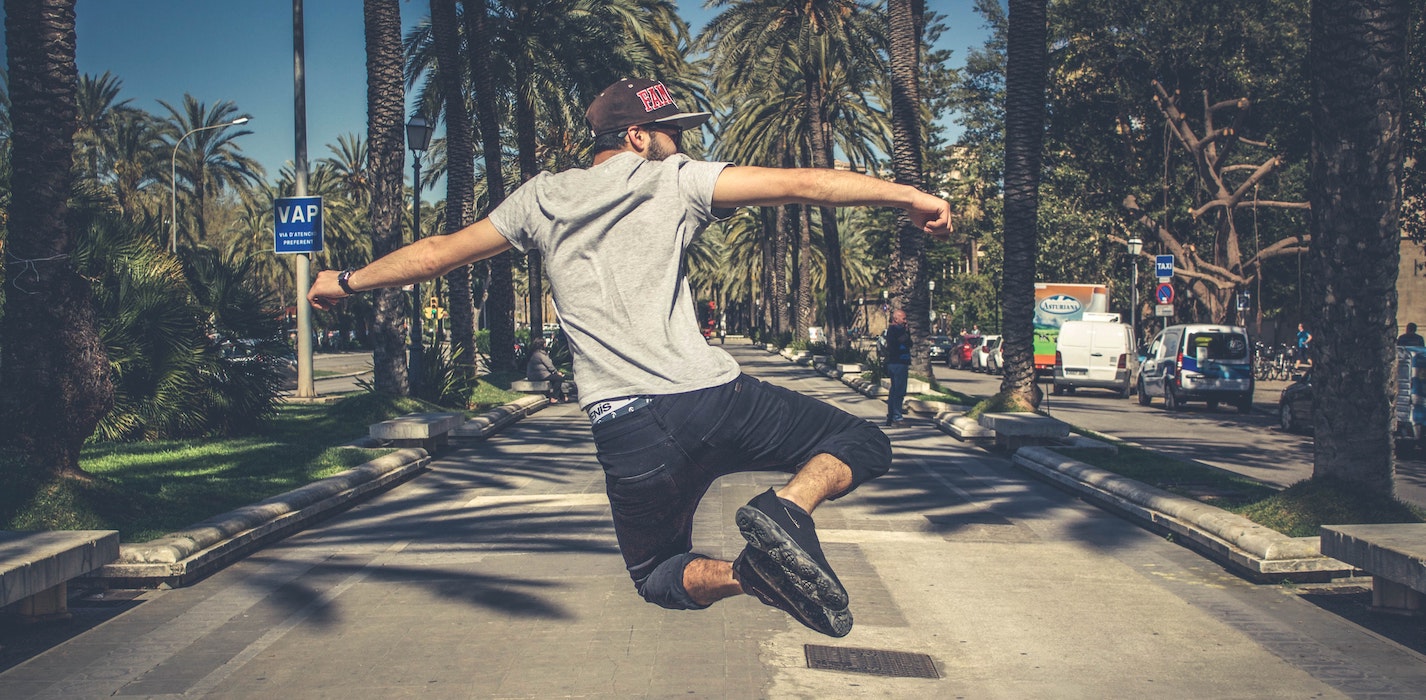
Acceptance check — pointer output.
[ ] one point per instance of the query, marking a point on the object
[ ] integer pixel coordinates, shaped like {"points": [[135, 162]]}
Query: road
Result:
{"points": [[1251, 445]]}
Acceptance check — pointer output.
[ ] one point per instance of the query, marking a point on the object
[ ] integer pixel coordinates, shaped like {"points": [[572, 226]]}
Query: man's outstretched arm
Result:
{"points": [[742, 186], [425, 259]]}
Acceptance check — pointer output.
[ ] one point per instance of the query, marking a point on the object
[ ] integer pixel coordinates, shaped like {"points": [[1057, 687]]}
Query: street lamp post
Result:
{"points": [[173, 179], [931, 302], [418, 139], [1135, 246]]}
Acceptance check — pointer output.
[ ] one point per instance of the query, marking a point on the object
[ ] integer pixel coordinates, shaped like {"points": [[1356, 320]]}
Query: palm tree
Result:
{"points": [[99, 104], [385, 110], [460, 175], [209, 161], [905, 18], [498, 305], [1024, 134], [133, 147], [53, 370], [816, 37], [1358, 66]]}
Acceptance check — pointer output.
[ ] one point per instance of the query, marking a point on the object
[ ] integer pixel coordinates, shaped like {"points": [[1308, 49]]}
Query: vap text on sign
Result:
{"points": [[297, 224]]}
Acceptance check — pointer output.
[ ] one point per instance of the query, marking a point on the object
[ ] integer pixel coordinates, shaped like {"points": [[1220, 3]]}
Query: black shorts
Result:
{"points": [[659, 460]]}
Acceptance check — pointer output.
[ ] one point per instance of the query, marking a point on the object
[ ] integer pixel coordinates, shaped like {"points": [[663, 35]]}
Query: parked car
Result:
{"points": [[939, 348], [988, 357], [1095, 354], [1294, 405], [962, 354], [1198, 362]]}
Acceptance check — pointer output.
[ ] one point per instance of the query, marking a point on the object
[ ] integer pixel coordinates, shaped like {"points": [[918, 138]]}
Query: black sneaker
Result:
{"points": [[785, 532], [760, 576]]}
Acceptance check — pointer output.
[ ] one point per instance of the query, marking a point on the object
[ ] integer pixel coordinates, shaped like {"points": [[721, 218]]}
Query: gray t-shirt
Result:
{"points": [[613, 238]]}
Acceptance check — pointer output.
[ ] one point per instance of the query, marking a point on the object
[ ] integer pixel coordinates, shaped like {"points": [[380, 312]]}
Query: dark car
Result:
{"points": [[1294, 406], [939, 347]]}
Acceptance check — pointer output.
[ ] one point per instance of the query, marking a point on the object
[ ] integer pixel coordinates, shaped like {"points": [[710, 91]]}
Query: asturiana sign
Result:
{"points": [[1060, 305]]}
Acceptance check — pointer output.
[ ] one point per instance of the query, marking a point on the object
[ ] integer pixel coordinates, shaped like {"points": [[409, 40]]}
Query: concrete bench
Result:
{"points": [[425, 430], [1016, 430], [35, 568], [526, 386], [1394, 554]]}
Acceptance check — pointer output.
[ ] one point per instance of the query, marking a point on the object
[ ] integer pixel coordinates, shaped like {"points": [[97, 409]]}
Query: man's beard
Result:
{"points": [[658, 152]]}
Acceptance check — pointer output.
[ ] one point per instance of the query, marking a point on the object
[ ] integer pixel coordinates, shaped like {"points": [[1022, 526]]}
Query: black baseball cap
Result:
{"points": [[634, 101]]}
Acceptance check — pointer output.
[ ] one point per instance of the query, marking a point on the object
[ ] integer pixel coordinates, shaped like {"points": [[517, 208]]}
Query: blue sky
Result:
{"points": [[242, 52]]}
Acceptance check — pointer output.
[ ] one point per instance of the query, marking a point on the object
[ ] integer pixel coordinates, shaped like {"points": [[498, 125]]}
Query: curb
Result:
{"points": [[1260, 553], [189, 555]]}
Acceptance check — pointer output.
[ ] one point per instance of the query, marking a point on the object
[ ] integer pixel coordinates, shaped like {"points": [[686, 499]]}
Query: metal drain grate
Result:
{"points": [[874, 661]]}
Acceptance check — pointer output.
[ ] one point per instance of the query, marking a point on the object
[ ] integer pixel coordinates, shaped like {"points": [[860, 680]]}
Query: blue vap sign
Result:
{"points": [[297, 224]]}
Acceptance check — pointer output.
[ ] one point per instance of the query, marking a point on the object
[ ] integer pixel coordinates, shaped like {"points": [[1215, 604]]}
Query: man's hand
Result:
{"points": [[325, 292], [932, 215]]}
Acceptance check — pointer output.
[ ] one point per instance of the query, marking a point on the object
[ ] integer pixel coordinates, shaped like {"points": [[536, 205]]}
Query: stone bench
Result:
{"points": [[1394, 554], [36, 567], [1016, 430], [526, 386], [424, 430]]}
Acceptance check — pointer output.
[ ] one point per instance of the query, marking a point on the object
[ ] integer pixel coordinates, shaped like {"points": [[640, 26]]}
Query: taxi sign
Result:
{"points": [[1163, 266]]}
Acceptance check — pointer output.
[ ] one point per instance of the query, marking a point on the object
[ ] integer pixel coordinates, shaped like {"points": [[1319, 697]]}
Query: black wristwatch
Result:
{"points": [[343, 283]]}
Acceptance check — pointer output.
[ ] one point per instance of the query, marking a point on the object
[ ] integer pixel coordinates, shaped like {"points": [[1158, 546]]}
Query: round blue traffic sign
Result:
{"points": [[1164, 293]]}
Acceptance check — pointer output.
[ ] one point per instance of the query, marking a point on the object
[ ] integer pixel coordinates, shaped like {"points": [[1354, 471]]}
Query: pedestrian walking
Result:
{"points": [[669, 412], [1304, 342], [898, 365]]}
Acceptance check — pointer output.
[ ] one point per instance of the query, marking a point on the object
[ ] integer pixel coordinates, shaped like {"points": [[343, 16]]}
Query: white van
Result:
{"points": [[1204, 362], [1095, 354]]}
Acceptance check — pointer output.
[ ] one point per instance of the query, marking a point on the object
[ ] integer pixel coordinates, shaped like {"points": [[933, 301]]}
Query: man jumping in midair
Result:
{"points": [[670, 413]]}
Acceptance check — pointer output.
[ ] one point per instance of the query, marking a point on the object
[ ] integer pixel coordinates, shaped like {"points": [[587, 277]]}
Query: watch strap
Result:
{"points": [[343, 283]]}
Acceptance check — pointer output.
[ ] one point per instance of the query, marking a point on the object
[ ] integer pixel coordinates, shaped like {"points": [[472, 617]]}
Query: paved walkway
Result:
{"points": [[495, 575]]}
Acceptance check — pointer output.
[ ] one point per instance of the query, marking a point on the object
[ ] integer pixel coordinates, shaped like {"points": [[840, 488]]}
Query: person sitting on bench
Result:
{"points": [[541, 369]]}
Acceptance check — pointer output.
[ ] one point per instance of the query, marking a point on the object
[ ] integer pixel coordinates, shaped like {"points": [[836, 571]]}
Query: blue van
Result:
{"points": [[1198, 362]]}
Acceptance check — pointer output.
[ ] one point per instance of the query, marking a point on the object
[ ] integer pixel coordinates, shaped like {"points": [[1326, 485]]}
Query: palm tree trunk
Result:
{"points": [[782, 249], [806, 307], [499, 307], [904, 18], [1357, 62], [1024, 135], [460, 178], [55, 383], [819, 132], [529, 167], [385, 110], [768, 249], [526, 144]]}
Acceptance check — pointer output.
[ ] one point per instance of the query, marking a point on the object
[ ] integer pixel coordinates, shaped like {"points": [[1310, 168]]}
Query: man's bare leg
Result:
{"points": [[710, 580], [823, 476]]}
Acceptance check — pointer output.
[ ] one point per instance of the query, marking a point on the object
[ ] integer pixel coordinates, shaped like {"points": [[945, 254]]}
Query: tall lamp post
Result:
{"points": [[1135, 246], [173, 179], [931, 302], [418, 139]]}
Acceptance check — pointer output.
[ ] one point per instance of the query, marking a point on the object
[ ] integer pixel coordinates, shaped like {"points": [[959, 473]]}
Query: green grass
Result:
{"points": [[1301, 509], [1297, 511], [494, 390], [145, 490]]}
